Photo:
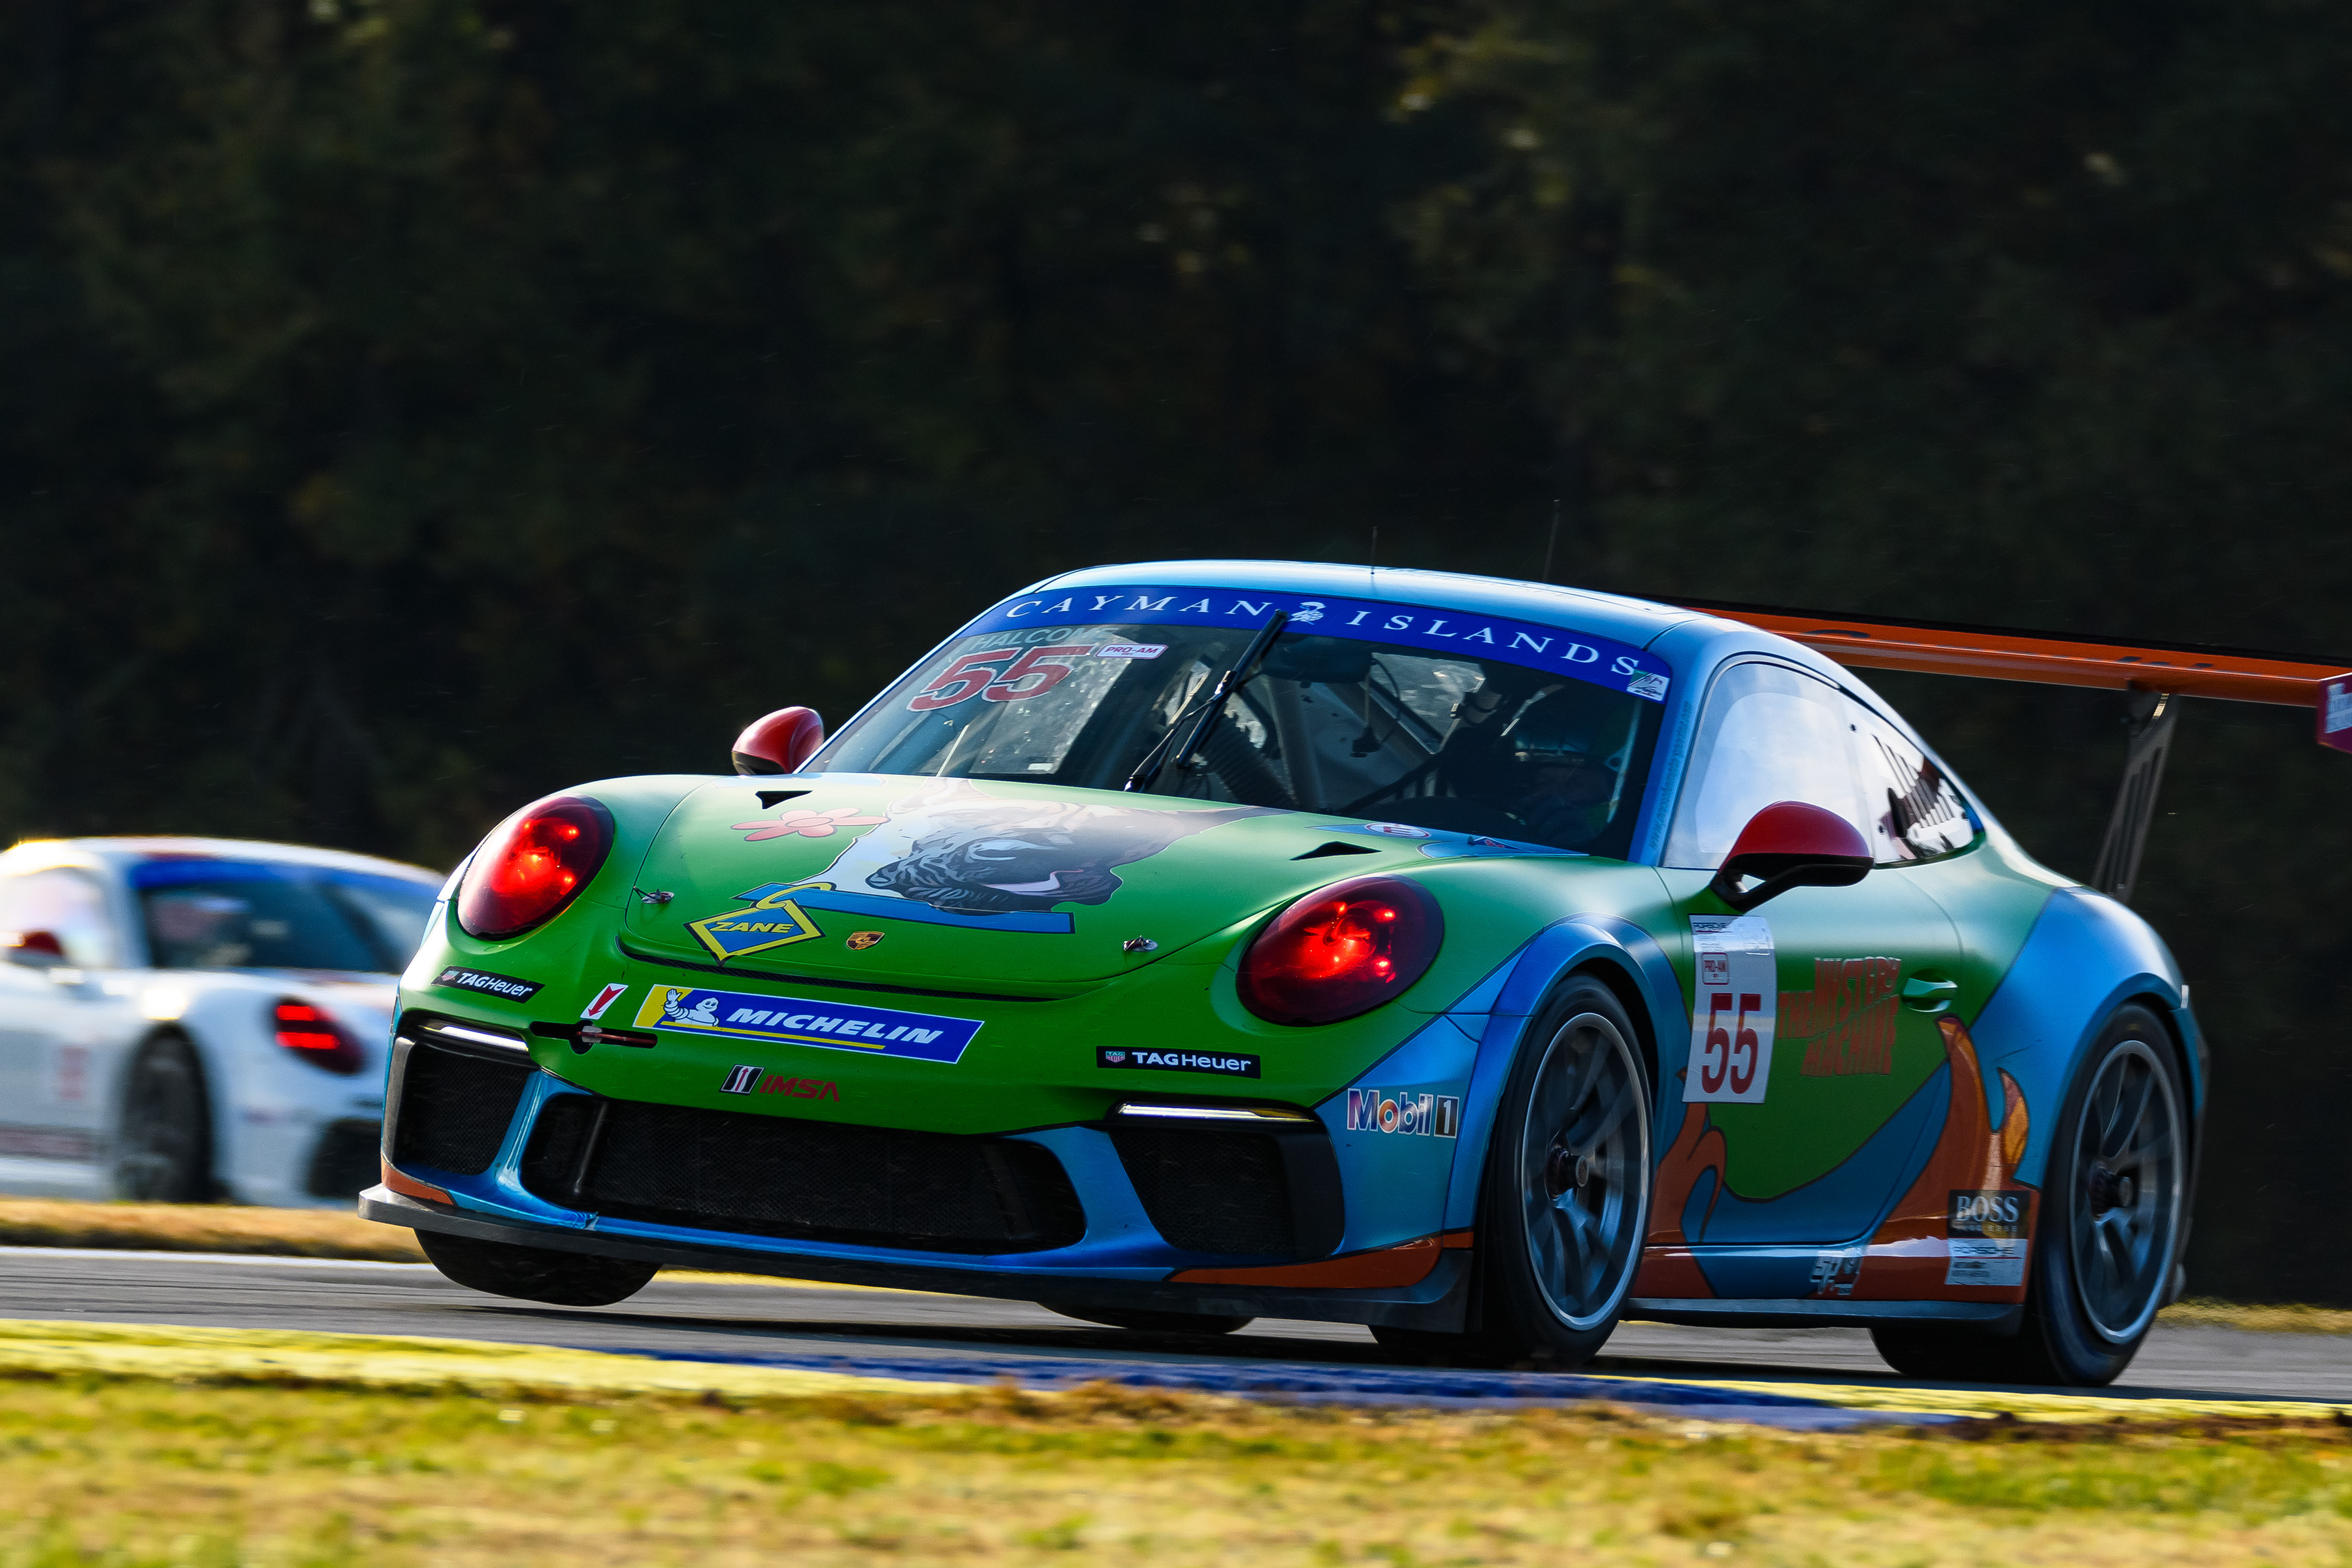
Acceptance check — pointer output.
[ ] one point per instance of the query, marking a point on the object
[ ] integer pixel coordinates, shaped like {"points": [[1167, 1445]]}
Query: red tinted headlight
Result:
{"points": [[1342, 951], [529, 868], [316, 1039]]}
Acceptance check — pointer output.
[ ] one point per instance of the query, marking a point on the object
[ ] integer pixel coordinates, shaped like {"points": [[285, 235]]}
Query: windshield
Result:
{"points": [[1451, 738], [235, 914]]}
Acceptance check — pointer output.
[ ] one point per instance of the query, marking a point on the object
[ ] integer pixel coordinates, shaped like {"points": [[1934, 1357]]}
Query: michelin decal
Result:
{"points": [[790, 1020]]}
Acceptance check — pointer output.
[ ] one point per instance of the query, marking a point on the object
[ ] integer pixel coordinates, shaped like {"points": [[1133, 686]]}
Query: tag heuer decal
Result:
{"points": [[505, 986], [1224, 1064]]}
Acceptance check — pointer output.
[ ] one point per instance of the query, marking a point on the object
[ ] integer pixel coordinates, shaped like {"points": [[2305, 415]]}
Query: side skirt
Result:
{"points": [[1993, 1318]]}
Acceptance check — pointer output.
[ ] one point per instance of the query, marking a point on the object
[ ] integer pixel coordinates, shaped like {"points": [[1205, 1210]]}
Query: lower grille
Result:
{"points": [[814, 1181], [344, 1163], [1224, 1190], [453, 1109]]}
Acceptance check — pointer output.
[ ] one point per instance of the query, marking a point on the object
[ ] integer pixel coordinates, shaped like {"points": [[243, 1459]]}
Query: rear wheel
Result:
{"points": [[164, 1149], [533, 1273], [2109, 1236], [1566, 1195], [1150, 1322]]}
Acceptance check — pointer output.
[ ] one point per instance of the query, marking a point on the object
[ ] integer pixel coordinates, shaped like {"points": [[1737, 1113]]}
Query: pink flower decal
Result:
{"points": [[807, 824]]}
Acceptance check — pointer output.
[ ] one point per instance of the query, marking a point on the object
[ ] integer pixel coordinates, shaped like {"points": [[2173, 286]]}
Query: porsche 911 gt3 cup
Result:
{"points": [[1184, 942], [191, 1018]]}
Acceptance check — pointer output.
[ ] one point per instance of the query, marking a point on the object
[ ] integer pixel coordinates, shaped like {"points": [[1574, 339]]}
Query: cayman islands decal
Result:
{"points": [[791, 1020]]}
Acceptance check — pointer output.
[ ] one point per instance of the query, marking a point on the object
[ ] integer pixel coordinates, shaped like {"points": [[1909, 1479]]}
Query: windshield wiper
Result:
{"points": [[1238, 674]]}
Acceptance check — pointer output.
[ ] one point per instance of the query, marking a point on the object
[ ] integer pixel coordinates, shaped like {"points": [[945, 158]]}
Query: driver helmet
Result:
{"points": [[1576, 724]]}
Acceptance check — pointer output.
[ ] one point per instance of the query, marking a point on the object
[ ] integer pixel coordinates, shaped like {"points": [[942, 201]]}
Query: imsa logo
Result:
{"points": [[1403, 1113]]}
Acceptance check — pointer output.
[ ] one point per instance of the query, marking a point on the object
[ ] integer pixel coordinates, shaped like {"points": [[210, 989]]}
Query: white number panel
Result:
{"points": [[1732, 1015]]}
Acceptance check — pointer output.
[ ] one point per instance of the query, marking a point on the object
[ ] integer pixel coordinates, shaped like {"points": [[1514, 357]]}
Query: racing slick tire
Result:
{"points": [[1144, 1320], [2106, 1247], [164, 1149], [532, 1273], [1565, 1200]]}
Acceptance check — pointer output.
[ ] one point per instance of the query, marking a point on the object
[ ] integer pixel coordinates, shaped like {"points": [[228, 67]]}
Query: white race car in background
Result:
{"points": [[186, 1019]]}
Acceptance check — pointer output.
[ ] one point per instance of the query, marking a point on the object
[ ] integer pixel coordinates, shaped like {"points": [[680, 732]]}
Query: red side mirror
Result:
{"points": [[1791, 844], [780, 743], [39, 948]]}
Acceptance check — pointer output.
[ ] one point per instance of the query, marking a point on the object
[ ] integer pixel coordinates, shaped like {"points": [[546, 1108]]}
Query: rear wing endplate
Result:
{"points": [[2152, 673]]}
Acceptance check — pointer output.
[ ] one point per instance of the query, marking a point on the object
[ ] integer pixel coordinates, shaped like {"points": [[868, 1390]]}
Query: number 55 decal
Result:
{"points": [[1040, 669], [1734, 1011]]}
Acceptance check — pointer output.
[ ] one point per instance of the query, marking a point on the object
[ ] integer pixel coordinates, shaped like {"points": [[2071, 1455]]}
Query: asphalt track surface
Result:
{"points": [[905, 1334]]}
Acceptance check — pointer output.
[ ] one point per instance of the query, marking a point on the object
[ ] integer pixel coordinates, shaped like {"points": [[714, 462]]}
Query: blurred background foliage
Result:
{"points": [[409, 406]]}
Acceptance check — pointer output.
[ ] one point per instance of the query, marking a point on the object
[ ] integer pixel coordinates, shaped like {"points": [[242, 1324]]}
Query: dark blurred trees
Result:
{"points": [[407, 407]]}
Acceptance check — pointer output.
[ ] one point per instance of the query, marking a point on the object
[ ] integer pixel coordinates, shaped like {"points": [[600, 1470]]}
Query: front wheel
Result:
{"points": [[534, 1273], [1566, 1196], [163, 1152], [2104, 1248]]}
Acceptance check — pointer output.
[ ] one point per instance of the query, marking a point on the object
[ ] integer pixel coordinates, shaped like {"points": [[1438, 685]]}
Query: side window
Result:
{"points": [[1916, 814], [1767, 733], [71, 906]]}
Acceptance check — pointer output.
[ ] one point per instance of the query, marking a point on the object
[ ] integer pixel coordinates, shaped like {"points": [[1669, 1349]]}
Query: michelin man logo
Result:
{"points": [[704, 1012]]}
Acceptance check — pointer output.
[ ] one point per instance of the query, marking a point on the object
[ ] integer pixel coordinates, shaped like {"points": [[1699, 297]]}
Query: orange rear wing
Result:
{"points": [[2181, 669]]}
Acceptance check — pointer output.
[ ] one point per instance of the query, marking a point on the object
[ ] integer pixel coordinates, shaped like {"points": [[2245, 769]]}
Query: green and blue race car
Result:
{"points": [[1181, 943]]}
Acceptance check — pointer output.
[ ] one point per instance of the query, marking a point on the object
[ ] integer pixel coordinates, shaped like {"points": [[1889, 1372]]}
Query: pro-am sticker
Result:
{"points": [[1733, 1010]]}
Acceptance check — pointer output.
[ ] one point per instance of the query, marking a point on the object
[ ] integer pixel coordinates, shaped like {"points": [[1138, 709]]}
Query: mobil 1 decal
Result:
{"points": [[1016, 669], [1732, 1010], [1406, 1112]]}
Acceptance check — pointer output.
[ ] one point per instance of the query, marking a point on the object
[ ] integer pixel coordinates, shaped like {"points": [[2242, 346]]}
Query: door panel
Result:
{"points": [[1818, 1158], [54, 1018]]}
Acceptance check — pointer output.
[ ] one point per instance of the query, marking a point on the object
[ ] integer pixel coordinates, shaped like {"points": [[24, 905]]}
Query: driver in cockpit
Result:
{"points": [[1554, 767]]}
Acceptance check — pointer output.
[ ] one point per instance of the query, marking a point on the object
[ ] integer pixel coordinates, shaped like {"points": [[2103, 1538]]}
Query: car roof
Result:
{"points": [[129, 849], [1627, 620]]}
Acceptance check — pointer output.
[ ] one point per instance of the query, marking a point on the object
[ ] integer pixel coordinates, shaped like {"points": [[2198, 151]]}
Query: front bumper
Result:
{"points": [[1439, 1302], [482, 1141]]}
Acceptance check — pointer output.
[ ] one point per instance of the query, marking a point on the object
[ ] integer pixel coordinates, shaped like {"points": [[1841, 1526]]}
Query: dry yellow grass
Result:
{"points": [[2278, 1320], [134, 1472], [203, 1227]]}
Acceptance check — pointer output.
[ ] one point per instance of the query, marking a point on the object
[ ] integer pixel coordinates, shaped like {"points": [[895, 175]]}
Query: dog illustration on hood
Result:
{"points": [[955, 849]]}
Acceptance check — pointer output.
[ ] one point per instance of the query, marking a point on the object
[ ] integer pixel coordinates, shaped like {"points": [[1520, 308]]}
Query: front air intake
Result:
{"points": [[1261, 1192], [816, 1181], [452, 1108]]}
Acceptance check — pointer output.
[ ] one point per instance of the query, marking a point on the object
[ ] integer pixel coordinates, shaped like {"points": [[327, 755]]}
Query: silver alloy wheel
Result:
{"points": [[2128, 1175], [1584, 1170]]}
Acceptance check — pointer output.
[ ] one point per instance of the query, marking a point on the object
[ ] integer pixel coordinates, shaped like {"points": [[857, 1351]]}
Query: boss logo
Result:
{"points": [[1995, 1214]]}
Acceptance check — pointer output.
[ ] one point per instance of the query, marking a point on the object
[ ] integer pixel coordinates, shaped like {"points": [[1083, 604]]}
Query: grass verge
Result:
{"points": [[204, 1228], [134, 1471]]}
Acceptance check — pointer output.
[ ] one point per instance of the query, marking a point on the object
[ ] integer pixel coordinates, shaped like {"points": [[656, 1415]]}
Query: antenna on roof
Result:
{"points": [[1372, 562], [1551, 543]]}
